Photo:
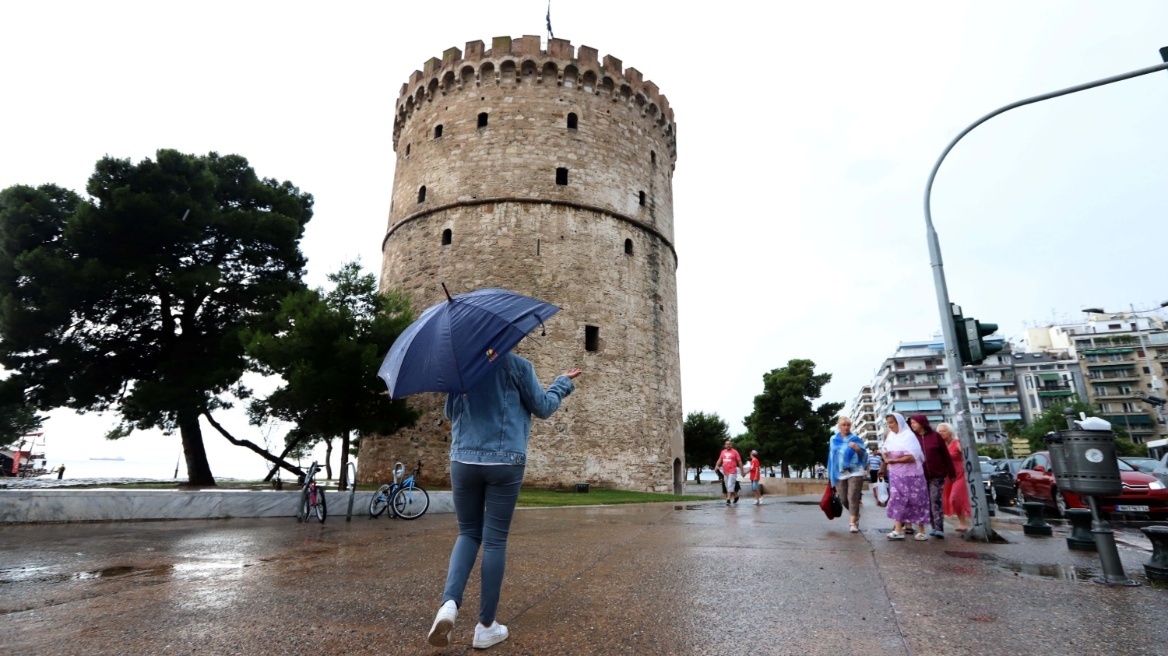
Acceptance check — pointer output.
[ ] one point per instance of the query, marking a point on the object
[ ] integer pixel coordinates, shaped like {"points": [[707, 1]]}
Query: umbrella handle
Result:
{"points": [[447, 293]]}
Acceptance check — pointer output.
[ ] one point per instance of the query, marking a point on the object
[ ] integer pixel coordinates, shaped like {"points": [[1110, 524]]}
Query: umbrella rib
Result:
{"points": [[454, 352]]}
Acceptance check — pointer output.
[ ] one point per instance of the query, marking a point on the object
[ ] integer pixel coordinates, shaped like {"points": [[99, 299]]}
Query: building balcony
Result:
{"points": [[1125, 419], [1132, 375], [920, 384], [1113, 394]]}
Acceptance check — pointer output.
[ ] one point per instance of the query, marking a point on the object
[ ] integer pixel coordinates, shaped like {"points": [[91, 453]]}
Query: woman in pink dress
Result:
{"points": [[908, 501], [956, 495]]}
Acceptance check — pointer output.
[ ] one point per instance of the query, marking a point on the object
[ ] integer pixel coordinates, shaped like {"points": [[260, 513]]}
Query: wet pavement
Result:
{"points": [[697, 578]]}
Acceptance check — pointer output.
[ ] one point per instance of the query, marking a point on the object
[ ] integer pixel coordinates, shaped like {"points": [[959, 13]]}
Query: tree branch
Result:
{"points": [[251, 445]]}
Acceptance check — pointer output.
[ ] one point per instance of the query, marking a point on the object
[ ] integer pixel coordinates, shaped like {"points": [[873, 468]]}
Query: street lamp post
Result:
{"points": [[981, 530]]}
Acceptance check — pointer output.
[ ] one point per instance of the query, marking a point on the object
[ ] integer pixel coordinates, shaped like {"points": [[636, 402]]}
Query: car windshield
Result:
{"points": [[1123, 466], [1146, 465], [987, 468]]}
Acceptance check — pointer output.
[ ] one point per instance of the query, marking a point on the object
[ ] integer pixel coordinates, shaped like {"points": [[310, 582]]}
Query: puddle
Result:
{"points": [[186, 570], [121, 570], [1057, 572], [688, 507], [802, 503]]}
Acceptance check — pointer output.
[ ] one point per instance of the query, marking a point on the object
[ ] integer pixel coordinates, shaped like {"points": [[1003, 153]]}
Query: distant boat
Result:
{"points": [[117, 458]]}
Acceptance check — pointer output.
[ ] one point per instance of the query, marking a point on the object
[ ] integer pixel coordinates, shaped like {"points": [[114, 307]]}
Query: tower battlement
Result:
{"points": [[521, 61]]}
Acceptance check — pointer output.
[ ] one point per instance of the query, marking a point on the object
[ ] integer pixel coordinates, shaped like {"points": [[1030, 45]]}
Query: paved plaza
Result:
{"points": [[695, 578]]}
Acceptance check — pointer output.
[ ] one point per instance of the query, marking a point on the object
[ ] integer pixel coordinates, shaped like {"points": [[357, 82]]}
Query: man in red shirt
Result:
{"points": [[755, 475], [731, 465]]}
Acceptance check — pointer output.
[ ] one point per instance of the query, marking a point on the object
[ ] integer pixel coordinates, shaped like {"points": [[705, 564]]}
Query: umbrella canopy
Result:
{"points": [[454, 343]]}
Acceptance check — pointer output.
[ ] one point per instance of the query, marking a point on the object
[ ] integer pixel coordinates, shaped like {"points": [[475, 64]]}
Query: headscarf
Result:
{"points": [[905, 440], [938, 462]]}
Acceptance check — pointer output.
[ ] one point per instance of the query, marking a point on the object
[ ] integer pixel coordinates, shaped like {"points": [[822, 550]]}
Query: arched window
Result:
{"points": [[642, 198], [422, 194], [573, 121], [482, 119], [628, 247], [446, 235], [437, 131], [561, 176]]}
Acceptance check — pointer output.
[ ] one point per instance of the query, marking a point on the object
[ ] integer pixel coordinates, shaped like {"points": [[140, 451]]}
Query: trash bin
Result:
{"points": [[1058, 456], [1090, 463]]}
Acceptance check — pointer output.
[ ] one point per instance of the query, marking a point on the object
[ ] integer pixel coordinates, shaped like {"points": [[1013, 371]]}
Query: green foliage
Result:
{"points": [[1129, 449], [133, 299], [327, 347], [990, 451], [17, 418], [1054, 419], [745, 443], [704, 436], [786, 424]]}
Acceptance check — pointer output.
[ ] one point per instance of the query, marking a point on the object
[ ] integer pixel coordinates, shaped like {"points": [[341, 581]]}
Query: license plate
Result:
{"points": [[1142, 509]]}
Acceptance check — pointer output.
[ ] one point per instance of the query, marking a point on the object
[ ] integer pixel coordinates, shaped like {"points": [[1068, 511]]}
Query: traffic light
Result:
{"points": [[970, 343]]}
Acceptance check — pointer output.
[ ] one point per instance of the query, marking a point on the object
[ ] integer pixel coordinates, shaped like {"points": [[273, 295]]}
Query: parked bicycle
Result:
{"points": [[312, 497], [403, 498]]}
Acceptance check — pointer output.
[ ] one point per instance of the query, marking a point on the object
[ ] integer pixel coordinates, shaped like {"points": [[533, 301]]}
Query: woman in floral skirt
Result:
{"points": [[908, 501]]}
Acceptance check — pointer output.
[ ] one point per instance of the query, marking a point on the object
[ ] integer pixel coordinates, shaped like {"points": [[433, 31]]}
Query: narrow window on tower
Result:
{"points": [[482, 119], [446, 235], [573, 121], [653, 157], [561, 176], [591, 338], [422, 194], [642, 198], [537, 247], [408, 149], [437, 131], [628, 247]]}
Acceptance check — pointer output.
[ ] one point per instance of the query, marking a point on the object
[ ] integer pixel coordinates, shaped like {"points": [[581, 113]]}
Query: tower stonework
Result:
{"points": [[547, 172]]}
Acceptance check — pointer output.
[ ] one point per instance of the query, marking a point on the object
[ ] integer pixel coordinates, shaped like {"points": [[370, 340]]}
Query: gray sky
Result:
{"points": [[806, 133]]}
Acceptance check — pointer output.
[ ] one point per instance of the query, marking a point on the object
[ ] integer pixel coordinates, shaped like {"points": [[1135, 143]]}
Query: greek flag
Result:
{"points": [[551, 34]]}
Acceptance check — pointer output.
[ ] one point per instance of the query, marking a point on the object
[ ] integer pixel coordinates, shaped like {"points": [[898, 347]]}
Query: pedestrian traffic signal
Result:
{"points": [[970, 343]]}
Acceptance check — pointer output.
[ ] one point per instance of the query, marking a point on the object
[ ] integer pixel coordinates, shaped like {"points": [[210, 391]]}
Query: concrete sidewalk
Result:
{"points": [[697, 578]]}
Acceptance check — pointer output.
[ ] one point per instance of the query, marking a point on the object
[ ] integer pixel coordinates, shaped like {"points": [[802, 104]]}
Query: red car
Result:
{"points": [[1142, 494]]}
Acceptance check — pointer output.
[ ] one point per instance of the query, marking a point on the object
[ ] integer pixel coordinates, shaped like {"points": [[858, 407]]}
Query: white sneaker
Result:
{"points": [[758, 502], [489, 636], [443, 623]]}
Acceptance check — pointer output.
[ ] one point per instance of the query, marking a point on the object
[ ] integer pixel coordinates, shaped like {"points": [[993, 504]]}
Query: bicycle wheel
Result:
{"points": [[321, 508], [411, 502], [304, 509], [379, 502]]}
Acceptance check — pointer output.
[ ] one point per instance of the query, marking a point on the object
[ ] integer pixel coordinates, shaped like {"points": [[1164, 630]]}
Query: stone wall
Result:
{"points": [[600, 247]]}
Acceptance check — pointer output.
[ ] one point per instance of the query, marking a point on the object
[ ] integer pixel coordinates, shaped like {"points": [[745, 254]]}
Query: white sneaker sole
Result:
{"points": [[491, 642], [440, 632]]}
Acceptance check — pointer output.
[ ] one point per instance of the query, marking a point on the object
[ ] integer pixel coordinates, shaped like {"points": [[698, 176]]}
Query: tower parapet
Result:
{"points": [[522, 60]]}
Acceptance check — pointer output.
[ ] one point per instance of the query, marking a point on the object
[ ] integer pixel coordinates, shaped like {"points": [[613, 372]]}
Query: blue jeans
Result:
{"points": [[484, 501]]}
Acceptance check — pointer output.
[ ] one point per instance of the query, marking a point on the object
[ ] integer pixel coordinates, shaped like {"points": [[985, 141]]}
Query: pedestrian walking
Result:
{"points": [[756, 477], [490, 425], [938, 469], [875, 464], [908, 501], [730, 464], [845, 468], [956, 496]]}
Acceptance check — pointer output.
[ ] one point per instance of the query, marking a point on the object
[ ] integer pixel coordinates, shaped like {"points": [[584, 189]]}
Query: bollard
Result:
{"points": [[1080, 538], [1157, 568], [1035, 520]]}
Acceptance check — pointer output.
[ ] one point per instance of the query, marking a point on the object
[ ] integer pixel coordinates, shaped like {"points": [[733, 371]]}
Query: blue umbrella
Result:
{"points": [[454, 343]]}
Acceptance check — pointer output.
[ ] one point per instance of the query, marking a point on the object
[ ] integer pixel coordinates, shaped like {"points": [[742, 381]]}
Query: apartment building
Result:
{"points": [[1046, 379], [863, 416]]}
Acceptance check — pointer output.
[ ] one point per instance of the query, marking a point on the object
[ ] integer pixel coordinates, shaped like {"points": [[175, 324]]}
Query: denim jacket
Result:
{"points": [[491, 422]]}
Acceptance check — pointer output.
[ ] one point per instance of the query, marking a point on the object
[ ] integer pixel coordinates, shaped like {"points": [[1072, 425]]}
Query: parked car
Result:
{"points": [[1142, 495], [1146, 465], [1002, 481]]}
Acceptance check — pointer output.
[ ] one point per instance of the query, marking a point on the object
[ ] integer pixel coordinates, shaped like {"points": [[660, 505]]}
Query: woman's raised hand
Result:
{"points": [[572, 373]]}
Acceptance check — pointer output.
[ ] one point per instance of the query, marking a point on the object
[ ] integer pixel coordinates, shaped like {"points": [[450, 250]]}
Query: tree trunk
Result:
{"points": [[328, 458], [343, 483], [279, 462], [251, 445], [198, 469], [785, 471]]}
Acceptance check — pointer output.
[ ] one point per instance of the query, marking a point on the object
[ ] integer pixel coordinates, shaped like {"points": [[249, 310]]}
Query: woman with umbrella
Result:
{"points": [[462, 347]]}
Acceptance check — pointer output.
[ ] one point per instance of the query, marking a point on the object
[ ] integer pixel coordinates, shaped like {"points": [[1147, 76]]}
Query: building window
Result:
{"points": [[561, 176], [642, 198], [438, 132], [422, 194], [482, 119], [591, 338], [408, 149], [446, 235], [628, 247], [573, 121], [653, 157]]}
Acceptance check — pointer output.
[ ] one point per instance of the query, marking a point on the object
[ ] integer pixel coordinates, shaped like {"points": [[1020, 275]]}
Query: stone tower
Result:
{"points": [[548, 173]]}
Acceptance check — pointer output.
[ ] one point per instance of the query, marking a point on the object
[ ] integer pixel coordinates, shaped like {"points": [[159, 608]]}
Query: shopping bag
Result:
{"points": [[830, 504], [881, 492]]}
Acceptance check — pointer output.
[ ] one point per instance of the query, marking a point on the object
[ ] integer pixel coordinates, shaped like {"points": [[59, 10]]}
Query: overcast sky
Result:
{"points": [[806, 132]]}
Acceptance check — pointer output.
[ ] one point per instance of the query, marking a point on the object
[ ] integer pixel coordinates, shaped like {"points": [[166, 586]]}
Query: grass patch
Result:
{"points": [[552, 498]]}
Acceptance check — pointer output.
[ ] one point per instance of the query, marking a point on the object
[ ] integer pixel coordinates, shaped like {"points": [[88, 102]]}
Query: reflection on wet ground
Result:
{"points": [[1061, 572]]}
